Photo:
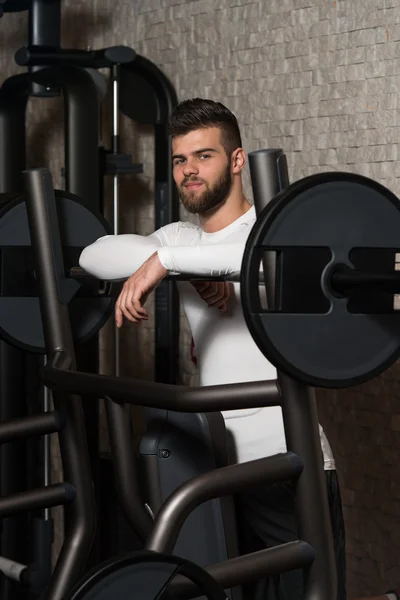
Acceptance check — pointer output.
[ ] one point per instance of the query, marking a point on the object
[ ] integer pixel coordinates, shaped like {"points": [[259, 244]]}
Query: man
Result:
{"points": [[208, 160]]}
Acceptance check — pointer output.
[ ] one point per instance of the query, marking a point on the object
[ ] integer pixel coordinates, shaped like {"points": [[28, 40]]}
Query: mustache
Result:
{"points": [[191, 180]]}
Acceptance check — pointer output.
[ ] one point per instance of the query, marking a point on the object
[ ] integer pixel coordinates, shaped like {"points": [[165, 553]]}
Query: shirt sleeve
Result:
{"points": [[114, 257], [214, 259]]}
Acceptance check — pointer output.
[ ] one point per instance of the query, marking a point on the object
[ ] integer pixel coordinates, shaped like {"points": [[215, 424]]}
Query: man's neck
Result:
{"points": [[224, 215]]}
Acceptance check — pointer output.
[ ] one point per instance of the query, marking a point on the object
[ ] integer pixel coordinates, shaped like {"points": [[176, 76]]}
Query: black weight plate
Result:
{"points": [[332, 213], [144, 576], [20, 320]]}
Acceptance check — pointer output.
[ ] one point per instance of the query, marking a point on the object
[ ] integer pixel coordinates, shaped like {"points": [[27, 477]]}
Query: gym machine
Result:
{"points": [[281, 228], [61, 376], [52, 71]]}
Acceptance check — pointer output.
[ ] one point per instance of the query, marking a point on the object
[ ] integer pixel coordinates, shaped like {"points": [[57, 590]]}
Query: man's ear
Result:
{"points": [[238, 160]]}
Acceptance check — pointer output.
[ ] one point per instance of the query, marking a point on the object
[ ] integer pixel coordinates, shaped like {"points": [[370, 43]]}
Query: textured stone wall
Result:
{"points": [[317, 78]]}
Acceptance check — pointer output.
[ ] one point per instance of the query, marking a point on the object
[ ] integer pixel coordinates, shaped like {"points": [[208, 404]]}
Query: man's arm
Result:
{"points": [[215, 260], [147, 260], [114, 257]]}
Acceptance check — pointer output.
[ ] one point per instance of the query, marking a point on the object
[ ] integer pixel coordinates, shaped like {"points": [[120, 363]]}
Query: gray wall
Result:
{"points": [[319, 79]]}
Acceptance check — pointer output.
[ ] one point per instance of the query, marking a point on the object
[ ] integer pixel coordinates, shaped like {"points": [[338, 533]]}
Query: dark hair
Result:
{"points": [[198, 113]]}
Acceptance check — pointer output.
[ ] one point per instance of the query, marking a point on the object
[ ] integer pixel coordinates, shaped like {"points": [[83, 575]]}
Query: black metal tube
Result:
{"points": [[44, 31], [302, 436], [344, 280], [214, 484], [81, 105], [166, 208], [301, 425], [161, 395], [81, 275], [13, 460], [14, 95], [45, 23], [92, 59], [82, 178], [250, 567], [125, 468], [12, 569], [72, 438], [268, 171], [166, 295], [14, 473], [24, 427], [41, 568], [52, 495]]}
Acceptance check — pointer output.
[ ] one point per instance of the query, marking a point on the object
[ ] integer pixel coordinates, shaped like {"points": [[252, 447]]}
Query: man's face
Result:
{"points": [[201, 169]]}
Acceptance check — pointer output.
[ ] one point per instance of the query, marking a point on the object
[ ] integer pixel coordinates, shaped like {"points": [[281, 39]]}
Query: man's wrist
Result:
{"points": [[161, 266], [165, 258]]}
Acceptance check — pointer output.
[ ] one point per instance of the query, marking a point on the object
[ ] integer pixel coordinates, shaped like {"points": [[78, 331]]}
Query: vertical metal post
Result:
{"points": [[46, 446], [163, 99], [14, 94], [46, 247], [115, 149], [269, 175], [44, 30], [166, 295], [81, 116], [82, 178]]}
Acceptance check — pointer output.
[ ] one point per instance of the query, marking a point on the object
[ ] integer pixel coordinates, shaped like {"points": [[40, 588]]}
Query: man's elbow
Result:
{"points": [[91, 260]]}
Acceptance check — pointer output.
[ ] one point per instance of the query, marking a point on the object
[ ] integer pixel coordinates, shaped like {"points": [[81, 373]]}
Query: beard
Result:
{"points": [[211, 198]]}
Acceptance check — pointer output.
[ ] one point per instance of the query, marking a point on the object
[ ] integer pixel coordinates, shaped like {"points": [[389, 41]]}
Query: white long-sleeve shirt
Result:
{"points": [[225, 349]]}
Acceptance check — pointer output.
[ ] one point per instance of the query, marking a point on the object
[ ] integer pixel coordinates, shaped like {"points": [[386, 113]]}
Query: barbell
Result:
{"points": [[333, 239]]}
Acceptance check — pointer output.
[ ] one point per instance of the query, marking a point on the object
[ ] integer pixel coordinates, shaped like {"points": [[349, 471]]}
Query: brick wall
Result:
{"points": [[317, 78]]}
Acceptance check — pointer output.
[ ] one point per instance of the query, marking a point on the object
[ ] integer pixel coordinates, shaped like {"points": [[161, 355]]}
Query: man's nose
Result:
{"points": [[190, 168]]}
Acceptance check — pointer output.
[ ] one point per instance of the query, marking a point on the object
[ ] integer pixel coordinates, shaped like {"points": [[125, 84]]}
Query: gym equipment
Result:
{"points": [[146, 575], [298, 405], [50, 71], [153, 106], [82, 174], [20, 322], [332, 321]]}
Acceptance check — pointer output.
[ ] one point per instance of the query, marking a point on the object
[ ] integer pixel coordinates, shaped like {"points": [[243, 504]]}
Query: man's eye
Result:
{"points": [[204, 156], [178, 161]]}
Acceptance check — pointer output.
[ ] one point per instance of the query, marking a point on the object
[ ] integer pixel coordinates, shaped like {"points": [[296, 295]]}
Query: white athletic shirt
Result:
{"points": [[225, 350]]}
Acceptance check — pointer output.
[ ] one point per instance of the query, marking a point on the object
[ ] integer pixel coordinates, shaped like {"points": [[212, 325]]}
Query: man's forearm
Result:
{"points": [[215, 259], [116, 257]]}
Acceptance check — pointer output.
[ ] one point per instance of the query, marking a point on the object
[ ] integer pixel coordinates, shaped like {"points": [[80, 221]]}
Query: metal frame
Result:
{"points": [[269, 176], [16, 365], [313, 552], [166, 210]]}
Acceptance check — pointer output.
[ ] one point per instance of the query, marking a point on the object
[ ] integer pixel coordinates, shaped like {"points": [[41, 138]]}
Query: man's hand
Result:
{"points": [[136, 290], [215, 293]]}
